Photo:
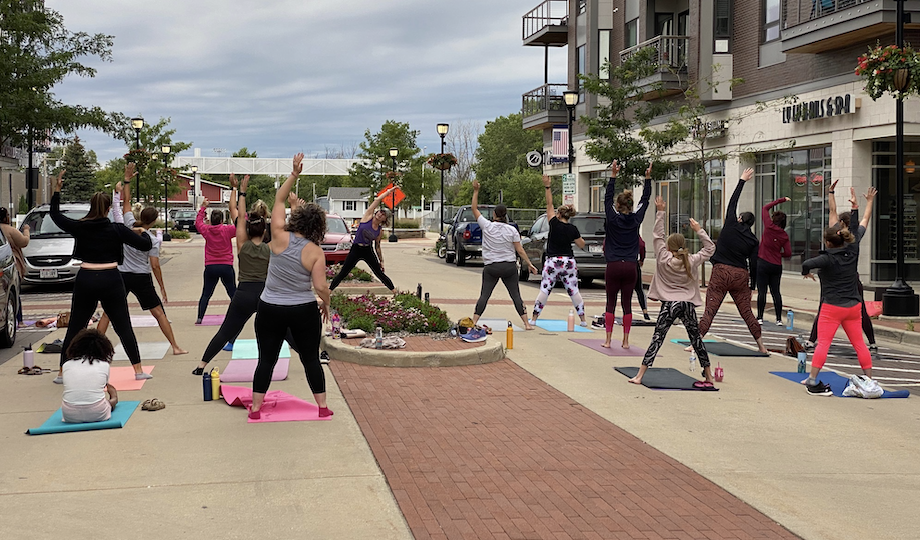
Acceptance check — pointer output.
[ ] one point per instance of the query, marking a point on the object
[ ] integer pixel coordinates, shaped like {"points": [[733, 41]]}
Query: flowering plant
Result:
{"points": [[881, 67], [442, 162], [404, 313], [356, 274], [393, 176]]}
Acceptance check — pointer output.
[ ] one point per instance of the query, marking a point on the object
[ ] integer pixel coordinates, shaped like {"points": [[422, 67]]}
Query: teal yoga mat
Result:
{"points": [[247, 349], [558, 325], [120, 414]]}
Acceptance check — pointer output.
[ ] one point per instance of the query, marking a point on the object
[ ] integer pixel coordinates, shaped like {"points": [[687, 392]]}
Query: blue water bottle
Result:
{"points": [[790, 318], [208, 388]]}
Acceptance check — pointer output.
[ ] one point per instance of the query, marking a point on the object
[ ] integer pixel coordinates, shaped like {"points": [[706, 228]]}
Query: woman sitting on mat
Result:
{"points": [[368, 233], [560, 259], [296, 274], [88, 396], [218, 254], [676, 284], [840, 295]]}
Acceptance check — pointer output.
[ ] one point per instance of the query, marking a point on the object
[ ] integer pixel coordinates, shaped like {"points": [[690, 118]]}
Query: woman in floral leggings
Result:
{"points": [[560, 259]]}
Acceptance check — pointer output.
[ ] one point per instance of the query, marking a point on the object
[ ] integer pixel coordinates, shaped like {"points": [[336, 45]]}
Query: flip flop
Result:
{"points": [[35, 371], [24, 371], [704, 385]]}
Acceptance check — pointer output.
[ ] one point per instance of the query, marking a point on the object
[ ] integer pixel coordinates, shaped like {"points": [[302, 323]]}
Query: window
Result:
{"points": [[598, 183], [348, 205], [690, 196], [603, 50], [580, 61], [770, 20], [632, 33], [427, 205]]}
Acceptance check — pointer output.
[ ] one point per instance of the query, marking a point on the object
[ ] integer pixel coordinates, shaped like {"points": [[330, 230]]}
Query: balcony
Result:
{"points": [[543, 107], [816, 26], [547, 25], [670, 77]]}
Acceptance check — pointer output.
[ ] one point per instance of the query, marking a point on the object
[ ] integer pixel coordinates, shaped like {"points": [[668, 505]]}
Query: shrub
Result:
{"points": [[404, 313], [407, 224], [180, 235], [356, 274]]}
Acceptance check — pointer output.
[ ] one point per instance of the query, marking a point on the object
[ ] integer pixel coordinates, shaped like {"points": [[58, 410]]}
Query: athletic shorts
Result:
{"points": [[79, 414], [142, 287]]}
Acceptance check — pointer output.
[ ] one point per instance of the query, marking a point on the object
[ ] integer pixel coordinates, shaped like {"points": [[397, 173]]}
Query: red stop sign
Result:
{"points": [[394, 198]]}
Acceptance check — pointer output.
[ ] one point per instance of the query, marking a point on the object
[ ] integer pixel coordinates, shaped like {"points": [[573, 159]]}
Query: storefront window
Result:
{"points": [[598, 183], [885, 212], [692, 194]]}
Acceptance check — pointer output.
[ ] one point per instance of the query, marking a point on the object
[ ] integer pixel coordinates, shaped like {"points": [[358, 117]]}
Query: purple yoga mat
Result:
{"points": [[616, 348], [243, 370], [212, 320]]}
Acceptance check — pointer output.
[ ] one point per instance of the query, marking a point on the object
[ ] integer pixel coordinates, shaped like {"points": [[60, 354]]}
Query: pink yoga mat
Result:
{"points": [[212, 320], [277, 407], [616, 347], [122, 378], [243, 370]]}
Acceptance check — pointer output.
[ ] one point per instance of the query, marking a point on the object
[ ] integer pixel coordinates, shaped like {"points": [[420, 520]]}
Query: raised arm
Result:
{"points": [[867, 213], [59, 219], [278, 210], [475, 201], [610, 193], [19, 239], [140, 242], [241, 235], [371, 208], [200, 224], [646, 194], [709, 247], [765, 212], [547, 181], [832, 205], [233, 185], [662, 254], [731, 213]]}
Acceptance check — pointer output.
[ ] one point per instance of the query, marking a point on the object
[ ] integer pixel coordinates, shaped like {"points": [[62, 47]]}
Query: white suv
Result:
{"points": [[49, 255]]}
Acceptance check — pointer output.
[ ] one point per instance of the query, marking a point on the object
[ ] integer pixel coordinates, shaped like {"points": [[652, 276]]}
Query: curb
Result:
{"points": [[492, 351]]}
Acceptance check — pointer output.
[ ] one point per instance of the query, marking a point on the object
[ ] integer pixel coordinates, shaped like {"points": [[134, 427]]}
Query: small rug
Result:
{"points": [[638, 321], [244, 370], [212, 320], [616, 347], [664, 379], [150, 350], [723, 349], [122, 378], [277, 407], [558, 325], [143, 321], [836, 381], [56, 424], [498, 325], [247, 349]]}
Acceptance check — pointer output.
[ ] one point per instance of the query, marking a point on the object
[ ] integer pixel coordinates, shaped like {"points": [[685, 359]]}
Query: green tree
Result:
{"points": [[36, 53], [152, 172], [80, 178], [501, 165], [23, 205], [111, 174], [374, 162]]}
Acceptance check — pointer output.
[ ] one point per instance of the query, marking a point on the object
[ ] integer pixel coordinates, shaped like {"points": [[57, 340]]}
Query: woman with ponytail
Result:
{"points": [[677, 285]]}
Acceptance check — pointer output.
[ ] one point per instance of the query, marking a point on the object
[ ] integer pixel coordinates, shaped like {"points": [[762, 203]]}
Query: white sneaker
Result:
{"points": [[780, 323], [760, 322], [583, 324]]}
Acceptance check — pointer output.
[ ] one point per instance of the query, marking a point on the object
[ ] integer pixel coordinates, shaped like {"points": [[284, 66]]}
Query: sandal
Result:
{"points": [[704, 385], [24, 371], [155, 405], [36, 371], [146, 404]]}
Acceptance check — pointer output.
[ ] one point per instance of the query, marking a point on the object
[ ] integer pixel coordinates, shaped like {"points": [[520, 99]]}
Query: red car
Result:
{"points": [[338, 239]]}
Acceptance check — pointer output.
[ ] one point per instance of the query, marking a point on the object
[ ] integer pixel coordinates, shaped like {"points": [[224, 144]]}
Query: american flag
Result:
{"points": [[561, 142]]}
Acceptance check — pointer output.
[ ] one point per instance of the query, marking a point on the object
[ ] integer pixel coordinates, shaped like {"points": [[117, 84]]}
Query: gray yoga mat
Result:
{"points": [[664, 379], [719, 348]]}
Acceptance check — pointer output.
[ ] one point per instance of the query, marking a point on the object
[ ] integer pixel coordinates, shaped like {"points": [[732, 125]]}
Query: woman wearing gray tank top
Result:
{"points": [[296, 275]]}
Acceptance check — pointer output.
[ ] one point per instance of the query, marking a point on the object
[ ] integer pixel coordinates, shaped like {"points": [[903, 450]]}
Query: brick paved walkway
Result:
{"points": [[490, 451]]}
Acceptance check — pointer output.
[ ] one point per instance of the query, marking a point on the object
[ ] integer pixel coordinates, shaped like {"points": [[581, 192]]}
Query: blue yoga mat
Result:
{"points": [[248, 349], [837, 382], [558, 325], [120, 414]]}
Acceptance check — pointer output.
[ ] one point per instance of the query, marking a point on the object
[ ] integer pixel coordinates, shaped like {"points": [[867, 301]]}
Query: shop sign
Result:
{"points": [[817, 179], [823, 108], [714, 129], [800, 180]]}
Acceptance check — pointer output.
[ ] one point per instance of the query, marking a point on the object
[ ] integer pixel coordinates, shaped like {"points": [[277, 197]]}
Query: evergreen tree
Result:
{"points": [[375, 153], [80, 178]]}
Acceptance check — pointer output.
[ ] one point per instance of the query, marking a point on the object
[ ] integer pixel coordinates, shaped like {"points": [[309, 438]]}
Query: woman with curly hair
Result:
{"points": [[374, 219], [296, 274], [560, 259], [88, 396]]}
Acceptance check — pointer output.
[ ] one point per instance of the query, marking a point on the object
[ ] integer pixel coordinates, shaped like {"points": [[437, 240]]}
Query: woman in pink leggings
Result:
{"points": [[842, 301]]}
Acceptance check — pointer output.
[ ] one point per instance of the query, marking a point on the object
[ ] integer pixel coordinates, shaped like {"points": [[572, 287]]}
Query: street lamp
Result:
{"points": [[138, 124], [442, 131], [166, 149], [393, 153], [899, 299], [571, 100], [195, 187]]}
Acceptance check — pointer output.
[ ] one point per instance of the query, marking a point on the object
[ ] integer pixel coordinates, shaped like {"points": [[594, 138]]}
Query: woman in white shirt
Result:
{"points": [[501, 243], [88, 396]]}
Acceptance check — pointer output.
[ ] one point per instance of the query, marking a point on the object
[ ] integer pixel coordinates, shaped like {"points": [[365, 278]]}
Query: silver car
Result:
{"points": [[49, 255]]}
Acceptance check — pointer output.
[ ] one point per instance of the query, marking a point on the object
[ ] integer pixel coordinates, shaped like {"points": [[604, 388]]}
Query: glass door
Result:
{"points": [[801, 176]]}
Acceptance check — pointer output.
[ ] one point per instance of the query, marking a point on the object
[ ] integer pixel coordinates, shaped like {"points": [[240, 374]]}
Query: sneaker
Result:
{"points": [[760, 322], [58, 380], [475, 335], [780, 323], [583, 324], [228, 347], [324, 357], [198, 321], [809, 345], [819, 389], [873, 350]]}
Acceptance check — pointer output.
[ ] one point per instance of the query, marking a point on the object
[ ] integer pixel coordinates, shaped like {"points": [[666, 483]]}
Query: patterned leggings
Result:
{"points": [[559, 268], [731, 280], [671, 311]]}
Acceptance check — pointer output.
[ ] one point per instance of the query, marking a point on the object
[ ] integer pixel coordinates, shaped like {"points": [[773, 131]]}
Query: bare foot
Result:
{"points": [[764, 350], [606, 345], [635, 380], [528, 326], [178, 351], [688, 348], [625, 342]]}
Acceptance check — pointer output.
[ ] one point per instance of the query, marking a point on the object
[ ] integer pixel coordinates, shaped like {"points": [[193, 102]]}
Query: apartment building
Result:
{"points": [[782, 49]]}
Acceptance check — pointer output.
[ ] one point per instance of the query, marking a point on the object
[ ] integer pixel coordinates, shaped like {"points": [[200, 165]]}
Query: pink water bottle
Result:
{"points": [[570, 327], [719, 374]]}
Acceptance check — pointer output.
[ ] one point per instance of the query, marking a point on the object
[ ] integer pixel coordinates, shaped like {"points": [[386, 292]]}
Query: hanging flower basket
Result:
{"points": [[890, 70], [442, 162], [393, 176]]}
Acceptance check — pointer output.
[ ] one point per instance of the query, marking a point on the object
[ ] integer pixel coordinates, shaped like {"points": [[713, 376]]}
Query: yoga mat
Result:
{"points": [[836, 381], [212, 320], [243, 370], [122, 378], [150, 350], [663, 379], [558, 325], [498, 325], [616, 347], [120, 414], [725, 349], [277, 407], [143, 321], [247, 349], [637, 321]]}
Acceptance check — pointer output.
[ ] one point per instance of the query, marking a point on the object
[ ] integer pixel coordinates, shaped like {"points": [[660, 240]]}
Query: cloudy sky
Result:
{"points": [[283, 76]]}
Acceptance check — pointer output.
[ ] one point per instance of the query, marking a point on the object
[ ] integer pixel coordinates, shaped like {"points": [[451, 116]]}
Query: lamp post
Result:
{"points": [[195, 187], [899, 299], [393, 153], [571, 100], [166, 149], [138, 124], [442, 131]]}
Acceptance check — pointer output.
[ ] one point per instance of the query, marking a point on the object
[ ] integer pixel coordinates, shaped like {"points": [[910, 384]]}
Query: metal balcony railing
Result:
{"points": [[543, 99], [672, 51], [802, 11], [548, 13]]}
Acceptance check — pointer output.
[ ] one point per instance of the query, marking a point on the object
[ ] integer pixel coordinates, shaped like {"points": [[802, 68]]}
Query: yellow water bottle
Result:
{"points": [[215, 383], [510, 335]]}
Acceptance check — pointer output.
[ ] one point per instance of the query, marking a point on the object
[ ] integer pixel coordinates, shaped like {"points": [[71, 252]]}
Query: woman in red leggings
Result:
{"points": [[842, 301], [621, 249]]}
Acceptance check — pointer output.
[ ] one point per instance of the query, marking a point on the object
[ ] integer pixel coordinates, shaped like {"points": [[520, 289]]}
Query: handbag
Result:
{"points": [[864, 387], [63, 319], [793, 347]]}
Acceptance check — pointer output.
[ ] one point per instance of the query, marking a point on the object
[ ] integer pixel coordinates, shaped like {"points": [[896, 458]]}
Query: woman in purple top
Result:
{"points": [[368, 233]]}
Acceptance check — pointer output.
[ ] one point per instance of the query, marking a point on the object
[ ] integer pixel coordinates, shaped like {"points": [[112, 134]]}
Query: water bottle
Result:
{"points": [[802, 356], [790, 318], [570, 325], [27, 359], [378, 338], [215, 383], [510, 337], [208, 388], [336, 324], [692, 362], [720, 373]]}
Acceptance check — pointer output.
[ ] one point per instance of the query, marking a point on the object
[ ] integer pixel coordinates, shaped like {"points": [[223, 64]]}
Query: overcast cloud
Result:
{"points": [[281, 77]]}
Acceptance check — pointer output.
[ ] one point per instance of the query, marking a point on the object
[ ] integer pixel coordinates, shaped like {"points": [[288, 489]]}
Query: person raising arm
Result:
{"points": [[374, 219]]}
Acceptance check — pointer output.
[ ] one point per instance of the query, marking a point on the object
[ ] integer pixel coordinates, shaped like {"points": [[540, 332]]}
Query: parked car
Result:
{"points": [[463, 238], [49, 255], [338, 239], [590, 260], [10, 284], [184, 220]]}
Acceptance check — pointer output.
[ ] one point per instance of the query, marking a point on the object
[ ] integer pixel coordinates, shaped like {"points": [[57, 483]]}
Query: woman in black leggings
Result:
{"points": [[98, 243], [368, 233]]}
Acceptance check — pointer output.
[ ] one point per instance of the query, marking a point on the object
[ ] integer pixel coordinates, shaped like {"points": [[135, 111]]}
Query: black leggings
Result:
{"points": [[242, 307], [366, 254], [508, 273], [620, 278], [867, 327], [212, 274], [640, 292], [105, 286], [303, 323], [769, 275]]}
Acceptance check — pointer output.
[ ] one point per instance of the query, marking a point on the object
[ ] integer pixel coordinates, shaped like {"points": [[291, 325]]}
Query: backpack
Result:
{"points": [[793, 347], [864, 387]]}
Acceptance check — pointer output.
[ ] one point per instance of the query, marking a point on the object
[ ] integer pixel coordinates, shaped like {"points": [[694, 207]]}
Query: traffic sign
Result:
{"points": [[568, 184], [535, 159], [393, 199]]}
